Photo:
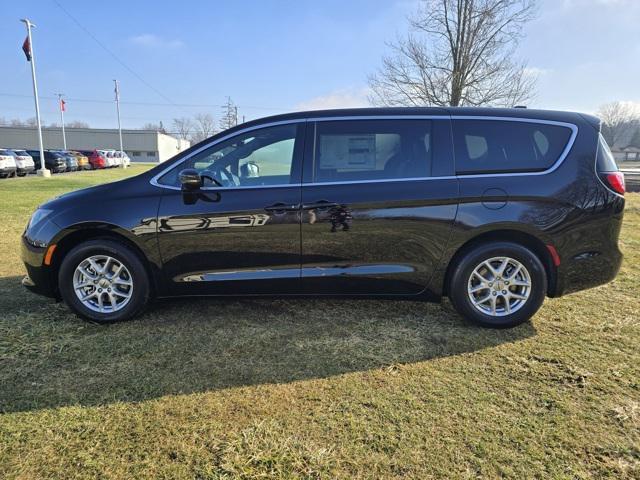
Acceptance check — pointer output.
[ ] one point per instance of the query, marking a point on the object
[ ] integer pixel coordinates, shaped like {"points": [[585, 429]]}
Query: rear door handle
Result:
{"points": [[280, 208], [319, 205]]}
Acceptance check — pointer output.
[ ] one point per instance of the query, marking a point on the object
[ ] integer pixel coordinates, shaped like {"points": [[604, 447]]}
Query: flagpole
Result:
{"points": [[117, 90], [43, 172], [60, 106]]}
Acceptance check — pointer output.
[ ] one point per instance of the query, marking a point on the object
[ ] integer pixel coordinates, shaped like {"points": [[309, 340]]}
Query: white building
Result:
{"points": [[140, 145]]}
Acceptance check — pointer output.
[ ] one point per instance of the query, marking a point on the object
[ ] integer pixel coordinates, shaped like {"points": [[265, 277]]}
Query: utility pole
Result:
{"points": [[43, 172], [117, 91], [61, 105]]}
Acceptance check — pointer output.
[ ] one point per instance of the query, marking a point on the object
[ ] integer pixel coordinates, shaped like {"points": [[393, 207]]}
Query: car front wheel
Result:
{"points": [[500, 285], [104, 281]]}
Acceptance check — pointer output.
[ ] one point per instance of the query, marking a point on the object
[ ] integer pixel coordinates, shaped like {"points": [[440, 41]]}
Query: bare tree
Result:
{"points": [[3, 121], [204, 127], [183, 127], [458, 52], [31, 122], [153, 127], [229, 115], [619, 122]]}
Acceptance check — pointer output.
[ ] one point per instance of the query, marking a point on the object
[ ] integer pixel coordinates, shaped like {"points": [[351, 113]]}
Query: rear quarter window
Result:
{"points": [[604, 159], [502, 146]]}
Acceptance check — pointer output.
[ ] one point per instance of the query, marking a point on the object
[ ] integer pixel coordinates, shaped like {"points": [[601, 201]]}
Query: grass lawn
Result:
{"points": [[265, 388]]}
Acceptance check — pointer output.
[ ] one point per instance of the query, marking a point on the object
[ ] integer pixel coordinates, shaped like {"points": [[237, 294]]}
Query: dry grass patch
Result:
{"points": [[269, 388]]}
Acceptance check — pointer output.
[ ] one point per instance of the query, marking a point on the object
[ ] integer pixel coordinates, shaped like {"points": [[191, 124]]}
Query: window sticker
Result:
{"points": [[353, 152]]}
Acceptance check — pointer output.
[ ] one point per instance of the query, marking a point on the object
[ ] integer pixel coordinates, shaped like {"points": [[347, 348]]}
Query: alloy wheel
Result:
{"points": [[499, 286], [103, 284]]}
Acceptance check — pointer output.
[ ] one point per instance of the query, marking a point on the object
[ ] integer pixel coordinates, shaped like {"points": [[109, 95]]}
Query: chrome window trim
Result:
{"points": [[380, 180], [379, 117], [154, 180], [552, 168]]}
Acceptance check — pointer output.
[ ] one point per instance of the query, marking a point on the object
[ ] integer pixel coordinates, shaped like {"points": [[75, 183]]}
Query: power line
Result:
{"points": [[110, 52], [152, 104]]}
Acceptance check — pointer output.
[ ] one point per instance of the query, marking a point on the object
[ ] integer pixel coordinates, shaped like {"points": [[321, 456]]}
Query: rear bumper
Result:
{"points": [[26, 169], [7, 170], [588, 270]]}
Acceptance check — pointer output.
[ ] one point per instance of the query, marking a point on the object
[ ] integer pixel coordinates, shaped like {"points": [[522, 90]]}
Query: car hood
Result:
{"points": [[99, 193]]}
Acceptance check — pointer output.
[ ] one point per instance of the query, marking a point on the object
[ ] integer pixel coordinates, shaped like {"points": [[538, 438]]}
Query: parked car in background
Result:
{"points": [[52, 161], [72, 162], [96, 159], [494, 208], [115, 159], [108, 156], [83, 160], [24, 163], [125, 158], [7, 163]]}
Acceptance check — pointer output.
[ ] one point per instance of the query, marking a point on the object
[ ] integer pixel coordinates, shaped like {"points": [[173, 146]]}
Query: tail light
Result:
{"points": [[607, 169], [614, 180]]}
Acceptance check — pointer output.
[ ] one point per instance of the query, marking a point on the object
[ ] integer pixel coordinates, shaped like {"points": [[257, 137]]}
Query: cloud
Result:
{"points": [[343, 98], [537, 71], [154, 41]]}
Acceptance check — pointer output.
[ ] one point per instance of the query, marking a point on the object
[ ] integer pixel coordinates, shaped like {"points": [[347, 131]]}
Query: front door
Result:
{"points": [[240, 233], [378, 203]]}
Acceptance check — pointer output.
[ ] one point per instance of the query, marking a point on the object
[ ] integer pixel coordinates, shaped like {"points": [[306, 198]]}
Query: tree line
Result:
{"points": [[620, 124], [32, 122], [199, 126]]}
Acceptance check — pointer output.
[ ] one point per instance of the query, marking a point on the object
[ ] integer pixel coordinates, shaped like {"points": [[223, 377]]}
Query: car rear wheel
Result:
{"points": [[104, 281], [500, 285]]}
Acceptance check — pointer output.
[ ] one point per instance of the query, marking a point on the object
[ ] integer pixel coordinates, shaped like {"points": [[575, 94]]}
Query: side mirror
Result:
{"points": [[250, 170], [190, 179]]}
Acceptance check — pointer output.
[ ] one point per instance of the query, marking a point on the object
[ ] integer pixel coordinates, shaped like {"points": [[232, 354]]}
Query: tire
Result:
{"points": [[133, 272], [464, 281]]}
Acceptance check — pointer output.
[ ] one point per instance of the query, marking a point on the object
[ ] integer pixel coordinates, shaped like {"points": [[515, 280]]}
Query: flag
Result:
{"points": [[117, 91], [26, 48], [63, 105]]}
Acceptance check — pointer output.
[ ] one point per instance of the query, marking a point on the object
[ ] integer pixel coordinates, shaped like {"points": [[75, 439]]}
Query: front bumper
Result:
{"points": [[38, 278]]}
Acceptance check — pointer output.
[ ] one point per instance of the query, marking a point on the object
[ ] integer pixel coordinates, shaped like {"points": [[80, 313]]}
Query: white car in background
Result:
{"points": [[108, 156], [24, 163], [117, 160], [7, 164], [124, 157]]}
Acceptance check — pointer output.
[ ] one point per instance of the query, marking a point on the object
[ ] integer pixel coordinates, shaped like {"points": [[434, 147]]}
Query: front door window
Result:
{"points": [[262, 157]]}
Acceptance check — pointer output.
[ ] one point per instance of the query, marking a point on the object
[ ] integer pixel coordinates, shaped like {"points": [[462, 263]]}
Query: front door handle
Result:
{"points": [[319, 205], [281, 208]]}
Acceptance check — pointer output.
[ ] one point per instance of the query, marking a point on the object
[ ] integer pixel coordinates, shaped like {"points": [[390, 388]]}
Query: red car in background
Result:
{"points": [[96, 159]]}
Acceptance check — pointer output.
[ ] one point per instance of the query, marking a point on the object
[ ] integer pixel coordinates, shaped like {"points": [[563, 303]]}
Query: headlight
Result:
{"points": [[39, 215]]}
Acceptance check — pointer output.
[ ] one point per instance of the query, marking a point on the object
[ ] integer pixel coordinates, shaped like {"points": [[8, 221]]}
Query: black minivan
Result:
{"points": [[494, 208]]}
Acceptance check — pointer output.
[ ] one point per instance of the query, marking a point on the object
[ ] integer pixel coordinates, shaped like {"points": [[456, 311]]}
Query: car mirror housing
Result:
{"points": [[190, 179]]}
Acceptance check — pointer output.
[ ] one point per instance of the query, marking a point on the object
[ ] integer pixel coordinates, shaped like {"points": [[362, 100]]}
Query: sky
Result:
{"points": [[176, 59]]}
